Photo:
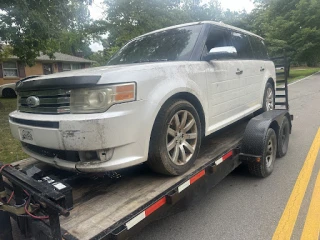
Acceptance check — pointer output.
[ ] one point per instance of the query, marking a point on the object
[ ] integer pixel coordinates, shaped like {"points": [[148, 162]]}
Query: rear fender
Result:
{"points": [[256, 131]]}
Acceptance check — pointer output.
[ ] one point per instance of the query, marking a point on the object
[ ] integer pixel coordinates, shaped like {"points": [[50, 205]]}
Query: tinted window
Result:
{"points": [[259, 49], [242, 44], [263, 49], [217, 38], [172, 45]]}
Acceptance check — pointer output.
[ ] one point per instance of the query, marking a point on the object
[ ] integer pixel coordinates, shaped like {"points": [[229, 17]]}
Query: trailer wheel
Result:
{"points": [[175, 139], [265, 166], [283, 138]]}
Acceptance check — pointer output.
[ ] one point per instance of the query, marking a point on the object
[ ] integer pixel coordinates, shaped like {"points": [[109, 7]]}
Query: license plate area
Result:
{"points": [[26, 135]]}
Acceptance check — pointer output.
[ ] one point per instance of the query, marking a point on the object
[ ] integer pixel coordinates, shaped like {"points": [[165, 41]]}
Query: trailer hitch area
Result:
{"points": [[245, 158], [18, 210]]}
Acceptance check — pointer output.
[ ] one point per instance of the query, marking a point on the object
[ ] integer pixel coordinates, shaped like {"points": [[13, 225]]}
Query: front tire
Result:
{"points": [[175, 139]]}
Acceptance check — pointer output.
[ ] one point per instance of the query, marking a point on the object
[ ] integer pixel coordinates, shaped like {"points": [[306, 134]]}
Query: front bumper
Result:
{"points": [[116, 130]]}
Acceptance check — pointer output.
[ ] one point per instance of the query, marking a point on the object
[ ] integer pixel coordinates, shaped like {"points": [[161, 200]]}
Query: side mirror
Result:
{"points": [[221, 53]]}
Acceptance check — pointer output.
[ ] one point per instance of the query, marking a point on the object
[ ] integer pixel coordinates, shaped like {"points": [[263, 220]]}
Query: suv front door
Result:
{"points": [[223, 82]]}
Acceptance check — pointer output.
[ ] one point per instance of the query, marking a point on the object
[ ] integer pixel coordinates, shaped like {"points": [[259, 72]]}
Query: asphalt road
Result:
{"points": [[243, 207]]}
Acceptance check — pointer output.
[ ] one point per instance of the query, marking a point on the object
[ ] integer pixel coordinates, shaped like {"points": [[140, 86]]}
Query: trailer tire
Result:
{"points": [[163, 160], [283, 138], [265, 166]]}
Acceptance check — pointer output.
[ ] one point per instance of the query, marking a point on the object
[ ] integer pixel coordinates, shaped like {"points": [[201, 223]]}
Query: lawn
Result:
{"points": [[10, 148], [301, 72]]}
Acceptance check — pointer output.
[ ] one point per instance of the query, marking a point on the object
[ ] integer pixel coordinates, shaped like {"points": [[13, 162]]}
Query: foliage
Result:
{"points": [[291, 25], [32, 26], [126, 19]]}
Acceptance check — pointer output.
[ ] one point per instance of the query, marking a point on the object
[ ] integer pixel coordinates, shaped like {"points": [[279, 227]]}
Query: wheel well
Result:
{"points": [[274, 125], [196, 103], [270, 80], [8, 90]]}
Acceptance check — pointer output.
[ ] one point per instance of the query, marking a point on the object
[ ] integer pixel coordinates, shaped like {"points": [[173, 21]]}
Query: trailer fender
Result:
{"points": [[256, 131]]}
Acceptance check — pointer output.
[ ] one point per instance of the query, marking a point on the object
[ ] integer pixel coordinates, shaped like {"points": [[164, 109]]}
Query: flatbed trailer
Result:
{"points": [[117, 205], [48, 203]]}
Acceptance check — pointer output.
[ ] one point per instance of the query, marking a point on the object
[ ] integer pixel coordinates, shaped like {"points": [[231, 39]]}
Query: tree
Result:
{"points": [[290, 25], [126, 19], [32, 27]]}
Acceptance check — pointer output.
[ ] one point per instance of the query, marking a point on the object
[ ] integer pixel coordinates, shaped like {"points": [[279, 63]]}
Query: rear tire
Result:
{"points": [[265, 167], [175, 139], [283, 138], [8, 93], [268, 98]]}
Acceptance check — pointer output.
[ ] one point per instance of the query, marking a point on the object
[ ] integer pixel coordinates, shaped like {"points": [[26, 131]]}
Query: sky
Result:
{"points": [[96, 12]]}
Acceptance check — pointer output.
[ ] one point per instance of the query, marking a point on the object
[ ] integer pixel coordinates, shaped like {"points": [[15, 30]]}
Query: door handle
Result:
{"points": [[261, 69], [239, 72]]}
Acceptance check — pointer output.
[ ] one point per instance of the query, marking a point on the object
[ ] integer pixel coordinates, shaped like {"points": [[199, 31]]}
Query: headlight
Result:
{"points": [[99, 99]]}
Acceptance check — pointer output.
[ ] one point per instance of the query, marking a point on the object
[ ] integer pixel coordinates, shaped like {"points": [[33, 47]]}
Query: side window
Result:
{"points": [[263, 49], [216, 38], [256, 47], [242, 44], [259, 49]]}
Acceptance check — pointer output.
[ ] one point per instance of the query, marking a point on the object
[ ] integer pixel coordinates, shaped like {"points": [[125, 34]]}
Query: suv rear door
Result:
{"points": [[251, 78]]}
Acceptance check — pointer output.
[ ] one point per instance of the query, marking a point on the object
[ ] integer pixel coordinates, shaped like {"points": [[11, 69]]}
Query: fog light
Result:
{"points": [[88, 156], [105, 154]]}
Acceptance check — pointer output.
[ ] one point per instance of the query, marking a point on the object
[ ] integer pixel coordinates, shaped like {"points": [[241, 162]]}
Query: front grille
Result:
{"points": [[71, 156], [50, 101]]}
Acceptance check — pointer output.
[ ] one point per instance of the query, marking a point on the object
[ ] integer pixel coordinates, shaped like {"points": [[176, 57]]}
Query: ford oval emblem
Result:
{"points": [[33, 101]]}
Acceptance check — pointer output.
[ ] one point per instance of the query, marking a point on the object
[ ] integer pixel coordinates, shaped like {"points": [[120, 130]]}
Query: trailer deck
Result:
{"points": [[105, 206]]}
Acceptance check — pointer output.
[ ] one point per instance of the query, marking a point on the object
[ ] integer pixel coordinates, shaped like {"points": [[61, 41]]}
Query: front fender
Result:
{"points": [[164, 90]]}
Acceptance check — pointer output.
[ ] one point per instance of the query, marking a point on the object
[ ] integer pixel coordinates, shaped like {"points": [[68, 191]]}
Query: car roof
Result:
{"points": [[219, 24]]}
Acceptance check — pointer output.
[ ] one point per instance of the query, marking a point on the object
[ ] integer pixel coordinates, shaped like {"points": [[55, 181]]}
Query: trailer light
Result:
{"points": [[258, 159]]}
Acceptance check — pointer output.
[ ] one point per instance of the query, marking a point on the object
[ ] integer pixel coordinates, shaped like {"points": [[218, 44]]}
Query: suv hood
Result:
{"points": [[92, 76]]}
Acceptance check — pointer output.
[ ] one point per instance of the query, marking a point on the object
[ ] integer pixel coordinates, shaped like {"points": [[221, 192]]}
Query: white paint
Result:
{"points": [[59, 186], [220, 160], [183, 186], [135, 220], [7, 85]]}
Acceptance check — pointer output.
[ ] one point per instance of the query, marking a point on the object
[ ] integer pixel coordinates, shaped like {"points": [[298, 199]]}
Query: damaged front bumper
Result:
{"points": [[102, 142]]}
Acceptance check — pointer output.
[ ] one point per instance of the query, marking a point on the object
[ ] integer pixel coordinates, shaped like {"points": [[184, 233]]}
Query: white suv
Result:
{"points": [[154, 101]]}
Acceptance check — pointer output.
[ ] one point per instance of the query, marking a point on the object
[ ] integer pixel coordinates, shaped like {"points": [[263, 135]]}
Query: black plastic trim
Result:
{"points": [[35, 123], [62, 82]]}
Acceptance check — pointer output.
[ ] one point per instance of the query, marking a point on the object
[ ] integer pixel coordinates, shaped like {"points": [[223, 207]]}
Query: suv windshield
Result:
{"points": [[170, 45]]}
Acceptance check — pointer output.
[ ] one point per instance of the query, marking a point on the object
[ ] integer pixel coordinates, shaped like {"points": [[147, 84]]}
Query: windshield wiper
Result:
{"points": [[150, 60]]}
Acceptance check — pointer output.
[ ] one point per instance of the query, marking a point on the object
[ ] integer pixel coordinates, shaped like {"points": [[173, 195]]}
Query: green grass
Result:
{"points": [[10, 148], [301, 72]]}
